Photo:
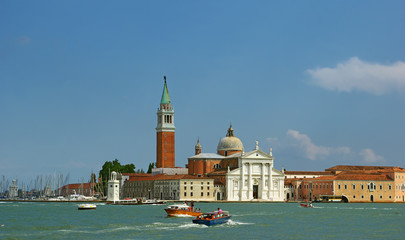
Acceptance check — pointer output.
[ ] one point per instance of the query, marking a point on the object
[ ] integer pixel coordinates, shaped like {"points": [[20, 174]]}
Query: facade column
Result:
{"points": [[242, 183], [270, 178], [263, 182], [229, 188], [250, 182]]}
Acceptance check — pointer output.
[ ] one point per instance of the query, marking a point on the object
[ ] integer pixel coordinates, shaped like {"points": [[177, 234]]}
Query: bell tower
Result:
{"points": [[165, 130]]}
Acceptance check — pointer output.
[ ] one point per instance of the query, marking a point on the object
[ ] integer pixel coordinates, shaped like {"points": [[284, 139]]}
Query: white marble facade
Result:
{"points": [[255, 179]]}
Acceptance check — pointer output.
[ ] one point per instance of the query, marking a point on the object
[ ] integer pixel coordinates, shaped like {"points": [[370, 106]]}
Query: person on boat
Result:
{"points": [[310, 204], [219, 211]]}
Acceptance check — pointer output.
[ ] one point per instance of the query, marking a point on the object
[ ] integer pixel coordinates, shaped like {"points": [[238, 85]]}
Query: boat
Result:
{"points": [[134, 201], [331, 198], [306, 205], [212, 218], [87, 206], [180, 210]]}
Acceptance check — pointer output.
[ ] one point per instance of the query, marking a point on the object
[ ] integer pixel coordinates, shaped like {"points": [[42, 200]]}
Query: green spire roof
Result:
{"points": [[165, 95]]}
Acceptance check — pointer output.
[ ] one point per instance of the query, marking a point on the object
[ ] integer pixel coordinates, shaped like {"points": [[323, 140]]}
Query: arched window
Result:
{"points": [[216, 166]]}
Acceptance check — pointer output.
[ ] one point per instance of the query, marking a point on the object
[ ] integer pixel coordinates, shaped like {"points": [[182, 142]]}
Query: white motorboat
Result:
{"points": [[87, 206]]}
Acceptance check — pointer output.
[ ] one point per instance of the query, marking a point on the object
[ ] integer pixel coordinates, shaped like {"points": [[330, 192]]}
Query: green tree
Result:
{"points": [[115, 165], [151, 166]]}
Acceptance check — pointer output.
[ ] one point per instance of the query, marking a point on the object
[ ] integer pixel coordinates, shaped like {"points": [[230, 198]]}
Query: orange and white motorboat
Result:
{"points": [[182, 210]]}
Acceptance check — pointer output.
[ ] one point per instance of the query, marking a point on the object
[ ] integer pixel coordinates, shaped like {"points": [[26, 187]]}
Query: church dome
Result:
{"points": [[230, 142]]}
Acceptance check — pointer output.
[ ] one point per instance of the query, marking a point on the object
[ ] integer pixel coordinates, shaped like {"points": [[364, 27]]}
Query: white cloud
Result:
{"points": [[355, 74], [369, 156], [310, 150]]}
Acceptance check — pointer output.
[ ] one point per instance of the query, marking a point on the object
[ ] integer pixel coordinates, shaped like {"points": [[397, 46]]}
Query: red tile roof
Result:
{"points": [[307, 173], [77, 186], [354, 167], [166, 177], [359, 175], [137, 174]]}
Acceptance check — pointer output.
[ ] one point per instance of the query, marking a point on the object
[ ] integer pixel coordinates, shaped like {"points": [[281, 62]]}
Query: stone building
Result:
{"points": [[170, 187], [352, 184], [238, 175]]}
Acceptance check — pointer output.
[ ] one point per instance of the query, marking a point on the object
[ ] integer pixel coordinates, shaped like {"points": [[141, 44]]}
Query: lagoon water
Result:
{"points": [[41, 220]]}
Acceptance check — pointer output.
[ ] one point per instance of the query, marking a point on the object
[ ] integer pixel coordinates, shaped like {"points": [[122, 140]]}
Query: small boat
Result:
{"points": [[179, 210], [306, 205], [87, 206], [212, 218]]}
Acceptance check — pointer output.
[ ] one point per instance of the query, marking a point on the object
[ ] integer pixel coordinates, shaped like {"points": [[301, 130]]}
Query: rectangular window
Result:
{"points": [[339, 186], [389, 187], [208, 193], [208, 188], [362, 186], [191, 188], [185, 188], [185, 194], [380, 186], [191, 194], [202, 188], [202, 194], [345, 186], [354, 186], [208, 183]]}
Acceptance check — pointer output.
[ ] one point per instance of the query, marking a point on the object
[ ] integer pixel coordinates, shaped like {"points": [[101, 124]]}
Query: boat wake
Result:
{"points": [[234, 223]]}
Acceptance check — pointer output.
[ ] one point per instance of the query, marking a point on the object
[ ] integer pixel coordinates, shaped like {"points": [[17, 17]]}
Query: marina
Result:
{"points": [[62, 220]]}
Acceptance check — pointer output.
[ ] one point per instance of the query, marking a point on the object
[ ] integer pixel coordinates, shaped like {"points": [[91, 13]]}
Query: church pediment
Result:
{"points": [[257, 154]]}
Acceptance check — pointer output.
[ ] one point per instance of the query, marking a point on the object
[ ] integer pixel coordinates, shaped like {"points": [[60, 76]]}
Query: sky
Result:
{"points": [[322, 83]]}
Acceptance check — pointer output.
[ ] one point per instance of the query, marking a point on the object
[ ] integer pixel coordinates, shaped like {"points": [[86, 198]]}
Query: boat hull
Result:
{"points": [[87, 207], [179, 213], [305, 205], [211, 222]]}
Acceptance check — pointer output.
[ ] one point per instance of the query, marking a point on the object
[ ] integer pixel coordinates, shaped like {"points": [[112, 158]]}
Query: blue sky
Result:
{"points": [[321, 82]]}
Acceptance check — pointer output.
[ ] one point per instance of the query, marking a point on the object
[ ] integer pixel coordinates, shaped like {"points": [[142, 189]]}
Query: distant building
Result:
{"points": [[170, 187], [351, 184], [293, 183], [85, 189], [13, 192]]}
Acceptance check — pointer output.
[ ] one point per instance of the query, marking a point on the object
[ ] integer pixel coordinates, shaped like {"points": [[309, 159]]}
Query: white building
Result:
{"points": [[239, 176], [255, 179], [113, 188]]}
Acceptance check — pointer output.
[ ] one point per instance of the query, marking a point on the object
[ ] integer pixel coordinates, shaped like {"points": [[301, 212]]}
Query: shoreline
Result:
{"points": [[174, 201]]}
